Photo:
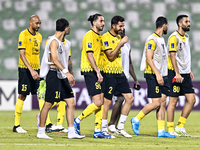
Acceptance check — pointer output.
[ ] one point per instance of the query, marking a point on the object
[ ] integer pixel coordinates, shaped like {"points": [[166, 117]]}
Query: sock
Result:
{"points": [[122, 121], [41, 103], [78, 120], [181, 122], [88, 111], [98, 117], [161, 125], [41, 129], [97, 130], [112, 127], [71, 129], [61, 112], [140, 115], [18, 111], [170, 126], [104, 125]]}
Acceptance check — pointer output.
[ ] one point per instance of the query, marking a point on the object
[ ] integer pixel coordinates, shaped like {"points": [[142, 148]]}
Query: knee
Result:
{"points": [[71, 103], [157, 105], [130, 99]]}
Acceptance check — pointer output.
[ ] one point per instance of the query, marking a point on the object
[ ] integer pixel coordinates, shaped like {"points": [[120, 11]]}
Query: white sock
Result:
{"points": [[104, 125], [41, 129], [59, 125], [78, 120], [160, 130], [71, 129], [136, 119], [112, 128], [122, 121], [97, 130]]}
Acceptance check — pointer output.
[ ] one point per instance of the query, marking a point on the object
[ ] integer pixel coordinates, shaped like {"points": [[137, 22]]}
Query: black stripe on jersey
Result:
{"points": [[172, 51], [21, 48], [90, 51], [107, 49]]}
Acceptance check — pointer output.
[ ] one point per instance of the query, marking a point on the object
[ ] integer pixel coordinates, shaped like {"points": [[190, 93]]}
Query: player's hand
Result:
{"points": [[160, 80], [191, 76], [179, 78], [124, 40], [137, 85], [100, 77], [35, 75], [70, 79]]}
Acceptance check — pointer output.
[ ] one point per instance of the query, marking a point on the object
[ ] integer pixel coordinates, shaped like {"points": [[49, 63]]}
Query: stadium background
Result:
{"points": [[140, 16]]}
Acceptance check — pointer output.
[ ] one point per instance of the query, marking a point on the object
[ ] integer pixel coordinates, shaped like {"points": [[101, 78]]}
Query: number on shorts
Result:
{"points": [[157, 89], [24, 87], [110, 90], [176, 89], [97, 85], [57, 94]]}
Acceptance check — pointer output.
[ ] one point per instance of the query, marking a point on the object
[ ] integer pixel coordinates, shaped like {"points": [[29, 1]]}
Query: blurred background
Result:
{"points": [[140, 16]]}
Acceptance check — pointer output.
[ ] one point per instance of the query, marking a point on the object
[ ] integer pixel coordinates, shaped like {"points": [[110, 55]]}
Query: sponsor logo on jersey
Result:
{"points": [[89, 45], [106, 43], [149, 46]]}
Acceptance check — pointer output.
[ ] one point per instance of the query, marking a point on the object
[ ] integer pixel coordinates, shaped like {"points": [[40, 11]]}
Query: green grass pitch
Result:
{"points": [[146, 140]]}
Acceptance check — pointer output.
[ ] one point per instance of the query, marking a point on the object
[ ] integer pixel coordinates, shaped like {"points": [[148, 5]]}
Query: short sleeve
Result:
{"points": [[151, 45], [172, 44], [21, 41]]}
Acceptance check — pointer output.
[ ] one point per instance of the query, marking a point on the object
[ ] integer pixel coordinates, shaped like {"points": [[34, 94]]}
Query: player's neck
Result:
{"points": [[59, 35], [31, 31], [112, 32], [159, 32], [181, 31], [95, 29]]}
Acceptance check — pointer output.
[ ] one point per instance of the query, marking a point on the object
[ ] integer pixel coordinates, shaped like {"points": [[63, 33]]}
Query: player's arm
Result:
{"points": [[111, 54], [54, 55], [172, 51], [131, 70], [34, 73], [94, 65], [70, 68], [149, 59]]}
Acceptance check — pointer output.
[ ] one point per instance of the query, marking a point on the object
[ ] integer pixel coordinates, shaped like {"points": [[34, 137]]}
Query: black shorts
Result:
{"points": [[26, 83], [57, 89], [93, 87], [117, 86], [178, 89], [154, 90]]}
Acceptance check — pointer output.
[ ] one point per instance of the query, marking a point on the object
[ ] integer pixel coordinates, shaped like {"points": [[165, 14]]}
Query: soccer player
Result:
{"points": [[154, 64], [127, 68], [29, 65], [91, 67], [116, 81], [60, 105], [179, 49], [59, 80]]}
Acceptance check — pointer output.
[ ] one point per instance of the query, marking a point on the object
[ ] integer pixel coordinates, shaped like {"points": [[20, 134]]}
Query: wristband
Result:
{"points": [[64, 71]]}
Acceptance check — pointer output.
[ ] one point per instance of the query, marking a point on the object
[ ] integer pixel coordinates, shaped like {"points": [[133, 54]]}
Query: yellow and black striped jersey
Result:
{"points": [[110, 42], [92, 42], [31, 43]]}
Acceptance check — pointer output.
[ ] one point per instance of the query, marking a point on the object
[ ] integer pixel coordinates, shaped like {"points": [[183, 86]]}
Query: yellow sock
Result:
{"points": [[140, 115], [98, 117], [170, 126], [48, 121], [181, 122], [18, 111], [60, 112], [161, 124], [89, 110]]}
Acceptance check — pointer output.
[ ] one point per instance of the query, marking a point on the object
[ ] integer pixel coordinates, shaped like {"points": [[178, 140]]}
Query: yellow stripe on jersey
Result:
{"points": [[91, 43], [110, 42], [31, 43], [152, 46]]}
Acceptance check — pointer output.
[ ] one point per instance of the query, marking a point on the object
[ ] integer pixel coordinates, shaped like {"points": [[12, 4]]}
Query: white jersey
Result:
{"points": [[63, 56], [160, 57], [125, 50], [183, 56]]}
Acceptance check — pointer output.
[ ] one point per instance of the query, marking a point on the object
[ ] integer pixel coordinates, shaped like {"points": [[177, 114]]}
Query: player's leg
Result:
{"points": [[190, 101], [115, 115]]}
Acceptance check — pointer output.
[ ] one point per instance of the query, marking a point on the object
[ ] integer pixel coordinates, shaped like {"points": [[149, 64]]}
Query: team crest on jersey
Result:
{"points": [[106, 43], [97, 40], [172, 45], [30, 40], [20, 43], [89, 45], [149, 46], [180, 47], [113, 41]]}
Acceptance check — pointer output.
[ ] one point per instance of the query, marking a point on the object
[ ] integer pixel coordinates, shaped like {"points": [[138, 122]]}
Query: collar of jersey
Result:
{"points": [[95, 32], [31, 33], [155, 34]]}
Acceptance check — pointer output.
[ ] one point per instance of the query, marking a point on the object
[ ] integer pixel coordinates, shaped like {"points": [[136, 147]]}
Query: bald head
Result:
{"points": [[34, 23]]}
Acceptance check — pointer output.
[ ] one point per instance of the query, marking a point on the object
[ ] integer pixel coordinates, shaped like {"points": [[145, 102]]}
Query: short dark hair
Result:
{"points": [[93, 18], [179, 18], [61, 24], [160, 21], [117, 19]]}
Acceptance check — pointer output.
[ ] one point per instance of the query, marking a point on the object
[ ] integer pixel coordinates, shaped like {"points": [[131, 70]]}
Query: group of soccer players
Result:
{"points": [[105, 77]]}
